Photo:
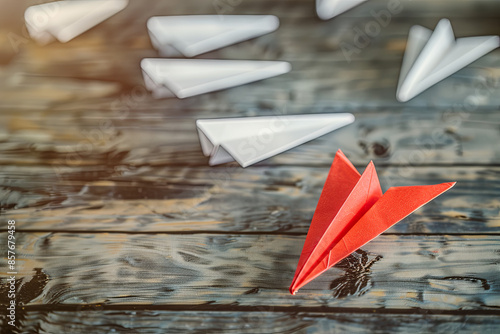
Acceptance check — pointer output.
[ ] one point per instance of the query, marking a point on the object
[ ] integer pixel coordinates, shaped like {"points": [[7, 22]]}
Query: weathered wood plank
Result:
{"points": [[322, 76], [78, 110], [95, 319], [278, 199], [392, 272], [295, 40], [310, 86], [136, 10], [306, 9], [395, 137]]}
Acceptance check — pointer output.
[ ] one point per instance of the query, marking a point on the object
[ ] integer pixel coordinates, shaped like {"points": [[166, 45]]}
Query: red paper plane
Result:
{"points": [[351, 212]]}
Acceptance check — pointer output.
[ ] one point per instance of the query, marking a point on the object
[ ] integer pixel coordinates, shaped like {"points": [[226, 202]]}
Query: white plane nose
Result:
{"points": [[65, 20]]}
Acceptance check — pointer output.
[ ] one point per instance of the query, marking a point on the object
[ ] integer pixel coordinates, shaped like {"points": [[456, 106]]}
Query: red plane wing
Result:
{"points": [[341, 179], [361, 198], [392, 207]]}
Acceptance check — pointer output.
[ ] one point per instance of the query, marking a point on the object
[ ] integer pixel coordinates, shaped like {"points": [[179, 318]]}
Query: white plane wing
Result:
{"points": [[249, 140], [189, 77], [432, 56], [191, 35]]}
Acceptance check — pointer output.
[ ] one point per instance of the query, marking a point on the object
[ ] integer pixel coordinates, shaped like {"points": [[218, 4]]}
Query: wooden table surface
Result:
{"points": [[122, 227]]}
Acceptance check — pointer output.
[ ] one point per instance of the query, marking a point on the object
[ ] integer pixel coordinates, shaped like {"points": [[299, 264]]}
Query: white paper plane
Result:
{"points": [[191, 35], [189, 77], [65, 20], [433, 56], [249, 140], [326, 9]]}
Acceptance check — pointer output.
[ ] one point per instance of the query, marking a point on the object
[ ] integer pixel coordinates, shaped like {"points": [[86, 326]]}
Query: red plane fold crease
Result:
{"points": [[351, 212]]}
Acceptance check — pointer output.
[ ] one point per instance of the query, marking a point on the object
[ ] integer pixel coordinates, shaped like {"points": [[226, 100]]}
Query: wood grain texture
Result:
{"points": [[313, 83], [392, 272], [278, 199], [103, 64], [123, 228], [95, 319], [402, 137]]}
